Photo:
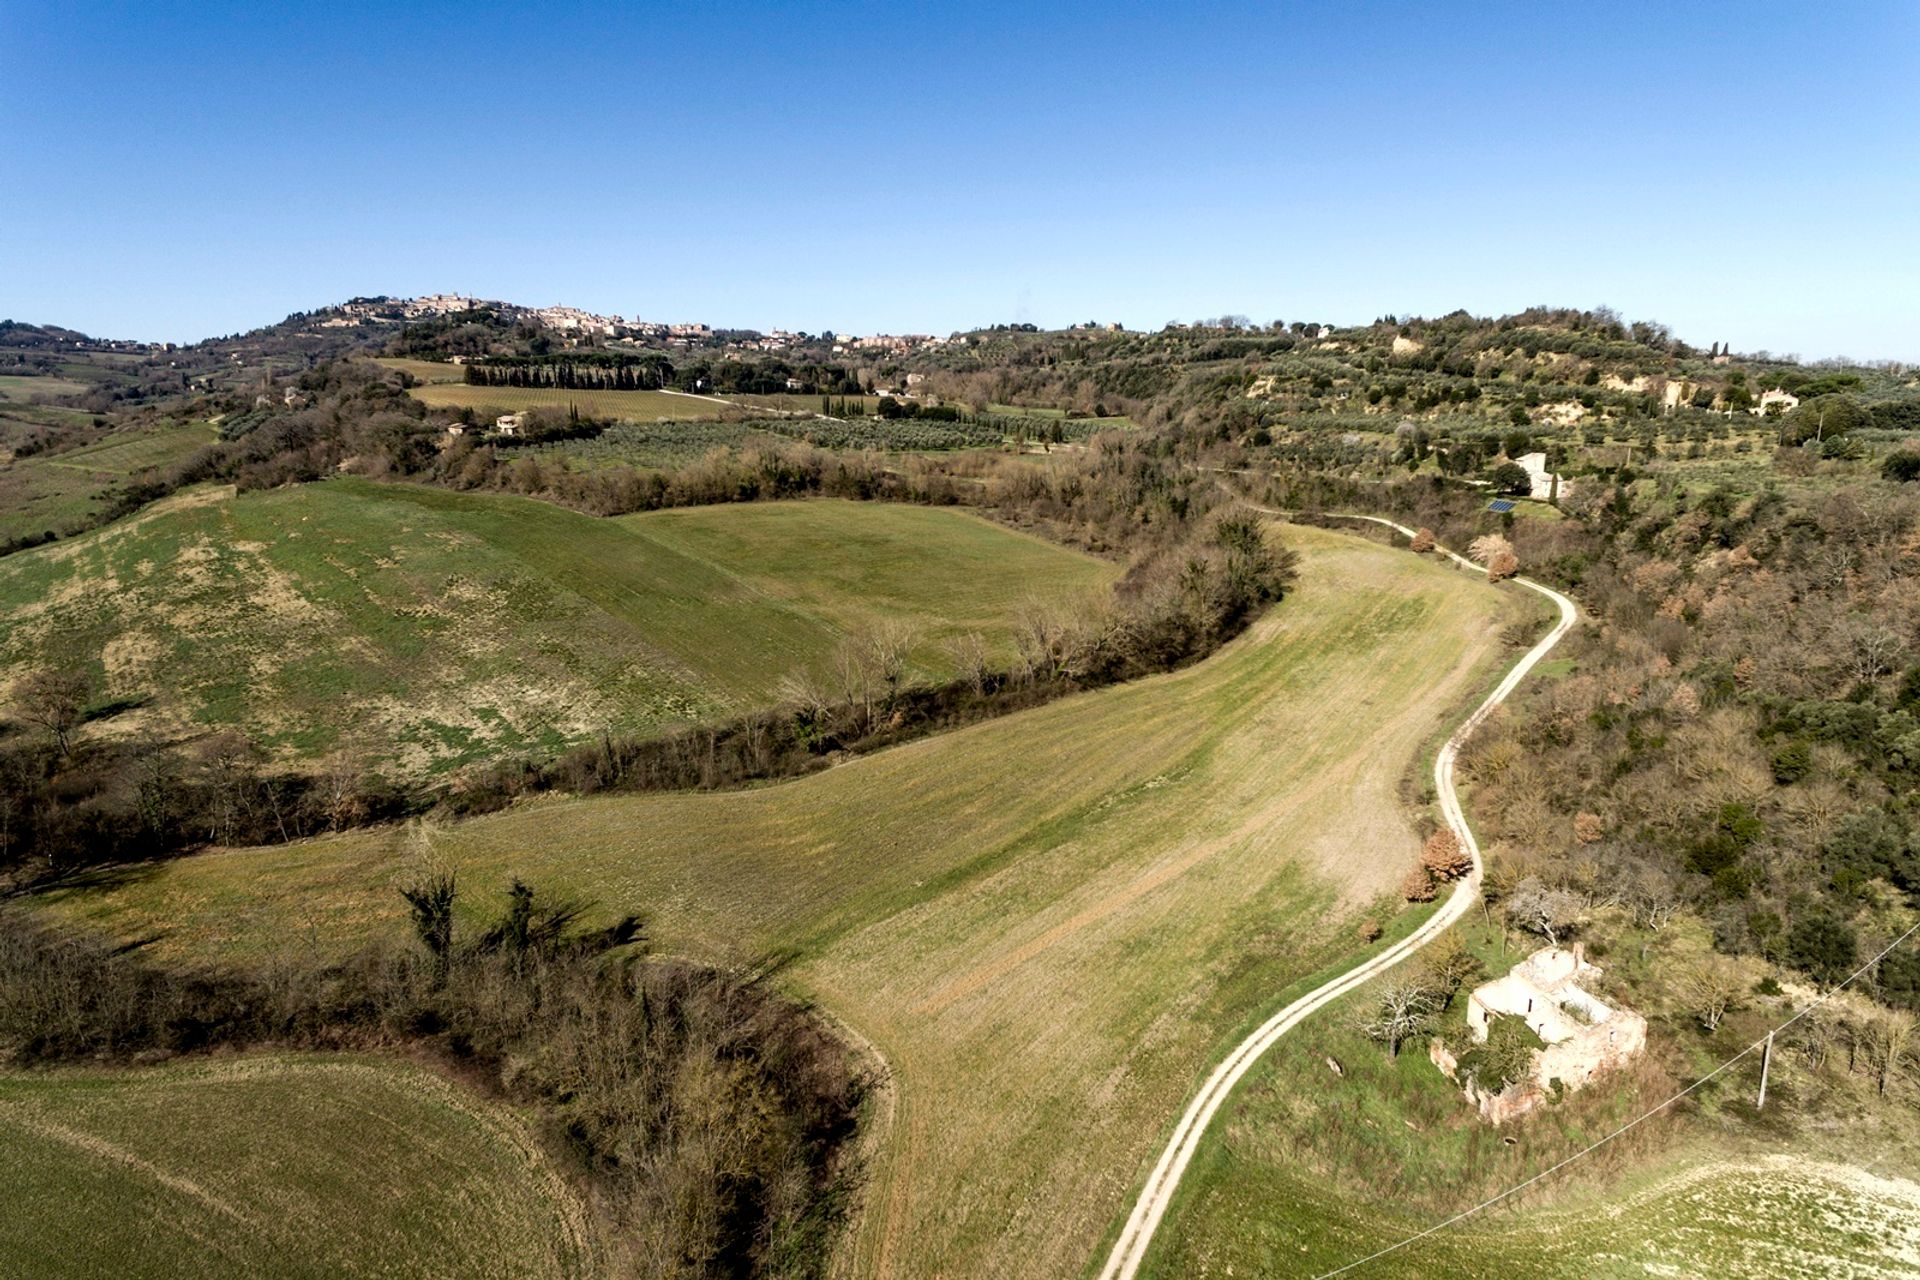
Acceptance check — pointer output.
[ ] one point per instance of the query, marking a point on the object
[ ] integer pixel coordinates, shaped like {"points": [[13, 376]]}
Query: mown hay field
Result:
{"points": [[425, 628], [1050, 925], [638, 406], [62, 490], [276, 1165]]}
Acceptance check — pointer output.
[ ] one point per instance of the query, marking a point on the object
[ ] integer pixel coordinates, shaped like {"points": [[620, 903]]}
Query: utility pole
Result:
{"points": [[1766, 1061]]}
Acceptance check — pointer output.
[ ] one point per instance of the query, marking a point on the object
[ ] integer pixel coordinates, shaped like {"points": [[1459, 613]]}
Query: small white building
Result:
{"points": [[456, 429], [509, 424], [1542, 484], [1774, 402]]}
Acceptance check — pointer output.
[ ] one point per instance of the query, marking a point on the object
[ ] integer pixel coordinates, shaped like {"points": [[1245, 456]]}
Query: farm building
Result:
{"points": [[509, 424], [1543, 485], [1582, 1034], [1774, 401]]}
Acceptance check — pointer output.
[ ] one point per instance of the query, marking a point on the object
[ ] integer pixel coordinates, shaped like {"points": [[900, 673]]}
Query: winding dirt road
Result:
{"points": [[1130, 1250]]}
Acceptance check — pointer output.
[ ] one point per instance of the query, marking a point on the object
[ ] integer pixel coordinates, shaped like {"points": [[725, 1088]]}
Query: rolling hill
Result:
{"points": [[426, 628], [1046, 924]]}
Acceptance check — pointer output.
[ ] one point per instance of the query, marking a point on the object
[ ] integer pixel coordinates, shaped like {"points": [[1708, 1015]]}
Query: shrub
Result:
{"points": [[1901, 467], [1443, 858]]}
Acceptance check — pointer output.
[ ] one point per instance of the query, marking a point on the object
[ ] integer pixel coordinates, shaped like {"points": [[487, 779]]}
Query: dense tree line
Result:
{"points": [[587, 371]]}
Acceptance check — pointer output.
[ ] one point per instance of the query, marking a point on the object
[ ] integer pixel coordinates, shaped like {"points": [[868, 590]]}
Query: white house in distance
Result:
{"points": [[509, 424], [1583, 1035], [1543, 485], [1775, 401]]}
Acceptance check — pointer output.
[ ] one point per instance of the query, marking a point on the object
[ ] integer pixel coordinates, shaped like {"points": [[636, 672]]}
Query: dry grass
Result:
{"points": [[1049, 925]]}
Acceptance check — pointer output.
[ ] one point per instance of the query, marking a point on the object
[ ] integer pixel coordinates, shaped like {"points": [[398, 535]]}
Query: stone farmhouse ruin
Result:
{"points": [[1583, 1035]]}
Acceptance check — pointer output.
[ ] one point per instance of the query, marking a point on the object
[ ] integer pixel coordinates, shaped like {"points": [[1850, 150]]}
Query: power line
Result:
{"points": [[1517, 1188]]}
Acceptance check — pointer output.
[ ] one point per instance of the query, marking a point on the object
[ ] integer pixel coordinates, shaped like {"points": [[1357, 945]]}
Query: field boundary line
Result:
{"points": [[1136, 1237]]}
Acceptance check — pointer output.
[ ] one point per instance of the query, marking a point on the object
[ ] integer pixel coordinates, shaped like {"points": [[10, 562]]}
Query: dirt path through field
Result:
{"points": [[1130, 1250]]}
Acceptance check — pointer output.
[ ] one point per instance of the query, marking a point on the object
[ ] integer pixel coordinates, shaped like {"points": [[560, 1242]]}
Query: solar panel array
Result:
{"points": [[1500, 506]]}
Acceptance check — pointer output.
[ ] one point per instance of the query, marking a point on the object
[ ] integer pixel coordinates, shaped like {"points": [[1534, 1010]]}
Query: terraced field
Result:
{"points": [[1049, 925], [285, 1166], [428, 628], [66, 490]]}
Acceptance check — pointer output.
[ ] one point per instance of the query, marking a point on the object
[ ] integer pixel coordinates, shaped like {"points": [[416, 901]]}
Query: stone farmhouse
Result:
{"points": [[1583, 1035], [1774, 401]]}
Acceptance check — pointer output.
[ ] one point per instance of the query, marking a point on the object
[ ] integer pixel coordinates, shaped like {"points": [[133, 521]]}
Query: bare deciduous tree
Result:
{"points": [[971, 660], [55, 700], [1401, 1009], [1542, 909], [1711, 984]]}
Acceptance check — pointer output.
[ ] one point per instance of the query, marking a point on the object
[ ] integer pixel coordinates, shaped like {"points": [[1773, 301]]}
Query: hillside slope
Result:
{"points": [[291, 1166], [426, 628], [1046, 923]]}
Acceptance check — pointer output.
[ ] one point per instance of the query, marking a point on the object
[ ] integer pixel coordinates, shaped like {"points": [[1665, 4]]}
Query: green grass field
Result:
{"points": [[276, 1165], [662, 445], [15, 387], [63, 491], [426, 628], [638, 406], [1744, 1218], [1050, 925]]}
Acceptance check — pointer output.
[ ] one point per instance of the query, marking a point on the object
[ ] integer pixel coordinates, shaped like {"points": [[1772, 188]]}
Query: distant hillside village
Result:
{"points": [[573, 323]]}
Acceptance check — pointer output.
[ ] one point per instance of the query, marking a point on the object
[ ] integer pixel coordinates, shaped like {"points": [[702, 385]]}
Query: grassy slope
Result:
{"points": [[643, 406], [1049, 924], [434, 627], [27, 389], [1307, 1170], [1744, 1218], [290, 1166], [51, 491]]}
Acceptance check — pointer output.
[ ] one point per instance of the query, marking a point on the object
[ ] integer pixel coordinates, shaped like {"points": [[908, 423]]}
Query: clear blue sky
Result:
{"points": [[1743, 172]]}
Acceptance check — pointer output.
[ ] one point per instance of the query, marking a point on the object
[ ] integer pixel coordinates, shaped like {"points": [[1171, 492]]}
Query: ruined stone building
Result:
{"points": [[1583, 1035]]}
